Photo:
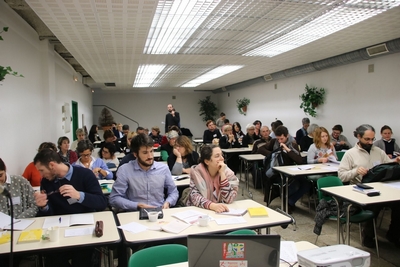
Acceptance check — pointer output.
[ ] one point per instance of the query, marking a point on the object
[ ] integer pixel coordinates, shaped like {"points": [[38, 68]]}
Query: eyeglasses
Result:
{"points": [[85, 155], [369, 139]]}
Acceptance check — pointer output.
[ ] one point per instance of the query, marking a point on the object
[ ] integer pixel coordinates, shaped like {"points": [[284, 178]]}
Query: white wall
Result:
{"points": [[353, 97], [149, 109], [30, 109]]}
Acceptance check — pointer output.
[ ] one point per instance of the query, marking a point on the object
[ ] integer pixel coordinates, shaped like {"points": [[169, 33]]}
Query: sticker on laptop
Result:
{"points": [[233, 264], [233, 251]]}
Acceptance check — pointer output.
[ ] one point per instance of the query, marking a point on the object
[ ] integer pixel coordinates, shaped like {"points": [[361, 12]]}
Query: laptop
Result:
{"points": [[233, 250]]}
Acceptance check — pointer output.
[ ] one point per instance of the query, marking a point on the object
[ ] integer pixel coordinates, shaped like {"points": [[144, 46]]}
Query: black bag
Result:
{"points": [[383, 172]]}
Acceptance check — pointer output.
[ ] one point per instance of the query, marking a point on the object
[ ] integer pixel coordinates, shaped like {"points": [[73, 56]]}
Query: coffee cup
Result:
{"points": [[250, 146], [53, 233], [153, 216], [203, 220]]}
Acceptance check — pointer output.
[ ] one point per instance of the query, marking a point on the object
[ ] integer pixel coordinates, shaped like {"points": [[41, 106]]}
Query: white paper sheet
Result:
{"points": [[79, 231], [301, 167], [393, 184], [230, 220], [190, 216], [133, 227], [288, 251], [20, 225]]}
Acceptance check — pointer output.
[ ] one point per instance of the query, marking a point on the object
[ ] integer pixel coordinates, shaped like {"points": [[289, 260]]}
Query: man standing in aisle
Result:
{"points": [[172, 118], [354, 165], [141, 182]]}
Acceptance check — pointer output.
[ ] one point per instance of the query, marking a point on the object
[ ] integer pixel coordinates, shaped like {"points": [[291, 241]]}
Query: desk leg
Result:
{"points": [[338, 219], [247, 180], [284, 206], [348, 225], [240, 177]]}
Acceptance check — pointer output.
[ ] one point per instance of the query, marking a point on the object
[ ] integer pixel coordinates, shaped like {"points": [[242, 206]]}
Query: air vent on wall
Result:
{"points": [[109, 84], [377, 50], [267, 77]]}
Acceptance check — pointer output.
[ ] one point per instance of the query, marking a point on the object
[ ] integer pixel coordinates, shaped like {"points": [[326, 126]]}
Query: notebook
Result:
{"points": [[143, 214], [234, 250]]}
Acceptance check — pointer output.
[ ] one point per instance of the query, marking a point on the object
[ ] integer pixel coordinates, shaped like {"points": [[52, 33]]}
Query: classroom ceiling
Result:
{"points": [[106, 40]]}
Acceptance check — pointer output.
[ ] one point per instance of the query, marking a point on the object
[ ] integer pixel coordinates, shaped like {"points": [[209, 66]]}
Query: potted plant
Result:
{"points": [[312, 98], [106, 119], [7, 70], [242, 105], [208, 109]]}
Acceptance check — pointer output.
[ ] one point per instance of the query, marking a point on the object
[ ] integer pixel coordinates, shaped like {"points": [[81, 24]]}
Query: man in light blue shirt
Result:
{"points": [[141, 182]]}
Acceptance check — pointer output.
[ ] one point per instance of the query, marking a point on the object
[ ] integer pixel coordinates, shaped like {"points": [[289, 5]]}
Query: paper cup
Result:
{"points": [[203, 220], [53, 233], [153, 216]]}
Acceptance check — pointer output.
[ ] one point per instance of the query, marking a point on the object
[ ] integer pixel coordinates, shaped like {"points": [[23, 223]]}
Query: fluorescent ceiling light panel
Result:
{"points": [[174, 22], [339, 18], [147, 74], [211, 75]]}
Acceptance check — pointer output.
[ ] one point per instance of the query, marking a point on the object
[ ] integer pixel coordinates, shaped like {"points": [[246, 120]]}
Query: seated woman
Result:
{"points": [[109, 137], [24, 204], [257, 130], [155, 135], [99, 168], [31, 173], [308, 140], [107, 154], [250, 137], [67, 155], [237, 132], [322, 149], [183, 157], [166, 149], [212, 183], [164, 139], [387, 143], [93, 135], [80, 135], [228, 140]]}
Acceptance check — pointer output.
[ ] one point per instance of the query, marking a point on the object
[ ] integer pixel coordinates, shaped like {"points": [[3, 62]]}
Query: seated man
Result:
{"points": [[354, 165], [211, 133], [285, 152], [259, 146], [141, 182], [124, 142], [303, 130], [66, 189], [338, 140]]}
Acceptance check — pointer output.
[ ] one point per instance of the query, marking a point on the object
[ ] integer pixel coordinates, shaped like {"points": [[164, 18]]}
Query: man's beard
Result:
{"points": [[144, 163], [367, 147]]}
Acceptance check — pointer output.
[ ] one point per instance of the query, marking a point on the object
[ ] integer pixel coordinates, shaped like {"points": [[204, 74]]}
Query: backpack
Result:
{"points": [[271, 161], [383, 172]]}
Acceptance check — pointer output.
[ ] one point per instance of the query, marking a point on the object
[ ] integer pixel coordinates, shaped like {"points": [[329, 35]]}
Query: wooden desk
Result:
{"points": [[295, 170], [301, 245], [256, 158], [110, 236], [274, 219], [346, 192]]}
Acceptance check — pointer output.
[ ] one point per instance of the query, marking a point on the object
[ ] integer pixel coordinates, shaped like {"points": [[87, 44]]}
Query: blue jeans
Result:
{"points": [[297, 188]]}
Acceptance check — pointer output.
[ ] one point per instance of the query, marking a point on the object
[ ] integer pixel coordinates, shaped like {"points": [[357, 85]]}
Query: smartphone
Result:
{"points": [[364, 186]]}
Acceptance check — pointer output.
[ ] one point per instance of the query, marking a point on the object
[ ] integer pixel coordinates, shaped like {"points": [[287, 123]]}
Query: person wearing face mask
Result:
{"points": [[387, 143], [212, 183], [354, 165]]}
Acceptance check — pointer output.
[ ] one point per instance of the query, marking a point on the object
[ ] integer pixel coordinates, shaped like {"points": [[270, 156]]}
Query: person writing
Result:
{"points": [[322, 149], [212, 183]]}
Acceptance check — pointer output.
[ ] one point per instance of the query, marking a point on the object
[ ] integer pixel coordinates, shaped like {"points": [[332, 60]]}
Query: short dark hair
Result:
{"points": [[107, 134], [61, 140], [48, 145], [111, 148], [276, 124], [141, 140], [45, 156], [386, 127], [360, 130], [257, 122], [226, 121], [222, 114], [337, 127], [140, 128], [206, 153], [125, 127], [2, 165], [281, 130], [84, 145], [209, 121]]}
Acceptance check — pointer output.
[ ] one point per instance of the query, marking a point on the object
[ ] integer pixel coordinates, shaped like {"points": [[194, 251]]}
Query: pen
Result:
{"points": [[59, 220]]}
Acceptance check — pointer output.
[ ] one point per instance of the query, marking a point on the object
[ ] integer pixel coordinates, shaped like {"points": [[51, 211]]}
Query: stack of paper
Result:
{"points": [[190, 216], [5, 223]]}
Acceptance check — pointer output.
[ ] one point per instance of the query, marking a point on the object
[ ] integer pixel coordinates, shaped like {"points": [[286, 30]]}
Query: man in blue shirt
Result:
{"points": [[141, 182]]}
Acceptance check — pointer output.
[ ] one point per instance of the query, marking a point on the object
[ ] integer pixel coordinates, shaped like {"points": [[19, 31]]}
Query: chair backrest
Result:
{"points": [[327, 181], [242, 232], [159, 255], [340, 155]]}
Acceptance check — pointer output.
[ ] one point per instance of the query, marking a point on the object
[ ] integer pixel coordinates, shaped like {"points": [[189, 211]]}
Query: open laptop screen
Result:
{"points": [[233, 250]]}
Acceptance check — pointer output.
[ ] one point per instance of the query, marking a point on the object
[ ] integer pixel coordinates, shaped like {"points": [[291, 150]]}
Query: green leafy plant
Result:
{"points": [[7, 70], [208, 109], [242, 105], [312, 98], [105, 118]]}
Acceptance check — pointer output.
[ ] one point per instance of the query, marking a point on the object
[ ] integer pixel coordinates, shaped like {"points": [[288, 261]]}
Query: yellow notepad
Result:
{"points": [[258, 212], [5, 237], [30, 236]]}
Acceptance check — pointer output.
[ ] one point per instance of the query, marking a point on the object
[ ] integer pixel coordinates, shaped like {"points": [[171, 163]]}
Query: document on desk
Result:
{"points": [[393, 184], [330, 167], [230, 220], [66, 221], [301, 167], [288, 251], [189, 216], [133, 227], [20, 225], [79, 231]]}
